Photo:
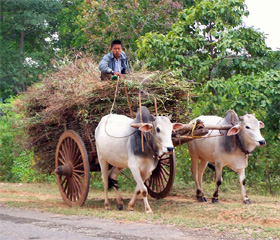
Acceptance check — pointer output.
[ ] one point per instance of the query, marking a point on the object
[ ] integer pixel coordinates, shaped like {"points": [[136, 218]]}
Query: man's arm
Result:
{"points": [[104, 65]]}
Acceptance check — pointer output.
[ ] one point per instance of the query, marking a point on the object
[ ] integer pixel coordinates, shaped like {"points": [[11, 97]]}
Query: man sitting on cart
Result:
{"points": [[114, 63]]}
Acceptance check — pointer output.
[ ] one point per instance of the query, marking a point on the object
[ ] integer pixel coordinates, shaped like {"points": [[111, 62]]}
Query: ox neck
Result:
{"points": [[241, 146]]}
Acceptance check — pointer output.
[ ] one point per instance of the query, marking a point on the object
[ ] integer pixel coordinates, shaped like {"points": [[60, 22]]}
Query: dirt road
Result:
{"points": [[19, 223], [36, 211]]}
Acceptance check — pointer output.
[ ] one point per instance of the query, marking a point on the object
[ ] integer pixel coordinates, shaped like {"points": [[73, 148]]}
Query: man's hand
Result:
{"points": [[117, 74]]}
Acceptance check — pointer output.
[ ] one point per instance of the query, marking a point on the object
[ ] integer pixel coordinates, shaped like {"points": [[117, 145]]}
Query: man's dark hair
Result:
{"points": [[116, 42]]}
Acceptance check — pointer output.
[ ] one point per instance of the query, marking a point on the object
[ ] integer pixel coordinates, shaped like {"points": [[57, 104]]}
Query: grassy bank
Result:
{"points": [[260, 220]]}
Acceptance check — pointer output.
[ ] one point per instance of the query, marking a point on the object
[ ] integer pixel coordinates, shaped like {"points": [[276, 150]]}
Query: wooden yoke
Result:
{"points": [[196, 130]]}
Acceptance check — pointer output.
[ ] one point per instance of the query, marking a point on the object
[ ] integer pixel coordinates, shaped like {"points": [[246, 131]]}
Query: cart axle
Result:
{"points": [[64, 170]]}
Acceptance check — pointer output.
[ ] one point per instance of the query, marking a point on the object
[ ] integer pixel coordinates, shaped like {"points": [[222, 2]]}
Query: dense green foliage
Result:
{"points": [[25, 53], [102, 21], [208, 40], [15, 159], [70, 33]]}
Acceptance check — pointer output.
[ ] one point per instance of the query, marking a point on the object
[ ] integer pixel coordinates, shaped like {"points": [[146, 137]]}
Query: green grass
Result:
{"points": [[260, 220]]}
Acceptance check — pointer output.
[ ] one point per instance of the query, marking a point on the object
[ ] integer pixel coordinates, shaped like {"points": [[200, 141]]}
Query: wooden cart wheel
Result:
{"points": [[161, 181], [72, 168]]}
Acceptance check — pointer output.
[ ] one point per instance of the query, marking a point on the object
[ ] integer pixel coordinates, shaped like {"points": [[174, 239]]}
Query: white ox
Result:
{"points": [[231, 149], [120, 145]]}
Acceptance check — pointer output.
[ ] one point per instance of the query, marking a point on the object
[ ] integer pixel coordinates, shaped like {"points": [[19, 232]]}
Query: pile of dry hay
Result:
{"points": [[75, 98]]}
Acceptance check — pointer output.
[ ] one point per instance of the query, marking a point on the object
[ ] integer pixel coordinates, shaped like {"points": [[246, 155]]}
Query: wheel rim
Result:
{"points": [[72, 169], [161, 181]]}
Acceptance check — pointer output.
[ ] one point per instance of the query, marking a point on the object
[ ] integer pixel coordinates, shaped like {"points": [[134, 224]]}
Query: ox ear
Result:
{"points": [[170, 117], [177, 126], [261, 124], [146, 127], [234, 130]]}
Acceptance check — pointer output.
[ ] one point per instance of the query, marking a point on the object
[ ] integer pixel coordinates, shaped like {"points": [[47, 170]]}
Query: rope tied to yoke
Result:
{"points": [[114, 101], [140, 113]]}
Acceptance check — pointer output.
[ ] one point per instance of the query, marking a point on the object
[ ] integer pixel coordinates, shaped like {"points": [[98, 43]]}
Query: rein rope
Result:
{"points": [[237, 141], [115, 96], [141, 119]]}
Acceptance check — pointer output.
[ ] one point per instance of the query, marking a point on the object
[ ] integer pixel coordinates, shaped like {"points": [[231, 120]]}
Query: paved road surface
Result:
{"points": [[16, 224]]}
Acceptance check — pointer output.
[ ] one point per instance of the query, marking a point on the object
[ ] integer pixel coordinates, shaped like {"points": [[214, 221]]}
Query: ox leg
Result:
{"points": [[131, 203], [194, 169], [241, 175], [140, 187], [114, 183], [201, 168], [219, 179], [104, 170]]}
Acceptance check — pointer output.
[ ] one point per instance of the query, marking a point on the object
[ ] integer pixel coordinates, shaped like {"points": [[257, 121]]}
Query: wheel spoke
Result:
{"points": [[161, 182], [77, 160], [70, 189], [163, 158], [76, 153], [165, 164], [77, 186], [156, 182], [79, 171], [163, 174], [64, 151], [66, 184], [75, 190], [165, 170], [79, 165], [62, 183], [62, 154], [61, 160], [79, 180]]}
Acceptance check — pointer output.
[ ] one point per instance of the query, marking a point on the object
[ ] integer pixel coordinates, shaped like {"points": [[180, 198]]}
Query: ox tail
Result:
{"points": [[112, 183], [211, 166]]}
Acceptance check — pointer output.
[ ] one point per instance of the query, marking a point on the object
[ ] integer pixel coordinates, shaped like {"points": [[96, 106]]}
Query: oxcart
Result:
{"points": [[76, 157]]}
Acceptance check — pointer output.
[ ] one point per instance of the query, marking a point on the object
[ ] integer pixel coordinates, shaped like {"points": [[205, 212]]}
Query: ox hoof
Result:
{"points": [[201, 199], [107, 207], [215, 200], [149, 212], [247, 201], [120, 207], [130, 208]]}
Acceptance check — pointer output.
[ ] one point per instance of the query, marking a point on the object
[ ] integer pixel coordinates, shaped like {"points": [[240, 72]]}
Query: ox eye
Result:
{"points": [[158, 130], [247, 127]]}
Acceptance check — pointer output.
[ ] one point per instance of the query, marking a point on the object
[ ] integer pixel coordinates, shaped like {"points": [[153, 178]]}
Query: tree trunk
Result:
{"points": [[21, 46]]}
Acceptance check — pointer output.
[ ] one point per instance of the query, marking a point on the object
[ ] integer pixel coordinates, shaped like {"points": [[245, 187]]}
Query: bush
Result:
{"points": [[15, 159]]}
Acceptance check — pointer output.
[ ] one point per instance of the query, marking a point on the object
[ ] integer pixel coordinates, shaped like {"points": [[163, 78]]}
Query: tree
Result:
{"points": [[103, 21], [208, 40], [25, 53], [70, 32]]}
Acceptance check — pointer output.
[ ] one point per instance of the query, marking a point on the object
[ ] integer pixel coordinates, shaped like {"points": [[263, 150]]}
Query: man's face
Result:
{"points": [[117, 49]]}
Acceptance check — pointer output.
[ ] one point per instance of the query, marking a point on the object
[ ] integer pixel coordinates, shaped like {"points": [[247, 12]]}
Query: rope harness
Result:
{"points": [[140, 113], [237, 141]]}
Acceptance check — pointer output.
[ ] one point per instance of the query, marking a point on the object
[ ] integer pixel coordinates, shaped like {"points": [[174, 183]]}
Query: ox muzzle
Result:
{"points": [[170, 149], [262, 143]]}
